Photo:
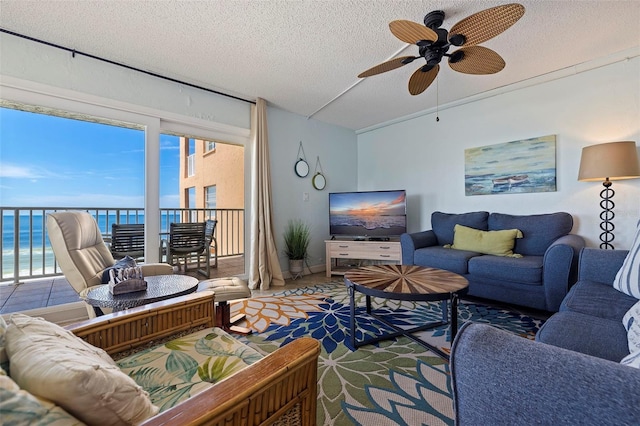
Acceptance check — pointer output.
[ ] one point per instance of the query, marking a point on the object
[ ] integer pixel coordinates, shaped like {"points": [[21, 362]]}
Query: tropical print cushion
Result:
{"points": [[183, 367]]}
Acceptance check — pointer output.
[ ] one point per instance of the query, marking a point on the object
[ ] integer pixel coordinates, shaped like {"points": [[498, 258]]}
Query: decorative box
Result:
{"points": [[126, 280]]}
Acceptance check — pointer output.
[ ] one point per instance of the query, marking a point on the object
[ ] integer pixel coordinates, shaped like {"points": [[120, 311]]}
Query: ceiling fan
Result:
{"points": [[434, 42]]}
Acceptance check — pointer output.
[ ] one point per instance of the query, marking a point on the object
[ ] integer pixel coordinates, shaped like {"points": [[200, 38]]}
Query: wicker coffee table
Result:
{"points": [[406, 282], [159, 287]]}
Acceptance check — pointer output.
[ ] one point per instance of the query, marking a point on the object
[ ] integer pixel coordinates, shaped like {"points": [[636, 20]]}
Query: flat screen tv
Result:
{"points": [[368, 214]]}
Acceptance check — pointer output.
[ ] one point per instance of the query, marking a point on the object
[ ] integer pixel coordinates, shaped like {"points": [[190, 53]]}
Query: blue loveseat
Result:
{"points": [[539, 279], [570, 375]]}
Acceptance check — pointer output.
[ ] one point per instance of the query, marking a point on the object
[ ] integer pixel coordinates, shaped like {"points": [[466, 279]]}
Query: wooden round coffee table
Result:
{"points": [[406, 282]]}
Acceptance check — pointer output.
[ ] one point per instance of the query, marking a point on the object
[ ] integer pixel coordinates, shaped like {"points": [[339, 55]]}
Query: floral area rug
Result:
{"points": [[393, 382]]}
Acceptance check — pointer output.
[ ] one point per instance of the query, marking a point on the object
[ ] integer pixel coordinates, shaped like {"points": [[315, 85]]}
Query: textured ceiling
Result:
{"points": [[301, 55]]}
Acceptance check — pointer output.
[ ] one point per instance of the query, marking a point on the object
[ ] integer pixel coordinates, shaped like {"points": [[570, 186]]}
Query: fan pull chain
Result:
{"points": [[437, 99]]}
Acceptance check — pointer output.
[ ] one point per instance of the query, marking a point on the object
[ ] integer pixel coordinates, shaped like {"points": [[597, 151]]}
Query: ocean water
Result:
{"points": [[369, 222], [34, 248], [543, 180]]}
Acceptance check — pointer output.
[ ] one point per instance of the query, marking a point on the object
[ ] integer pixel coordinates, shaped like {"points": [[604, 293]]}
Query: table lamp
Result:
{"points": [[607, 162]]}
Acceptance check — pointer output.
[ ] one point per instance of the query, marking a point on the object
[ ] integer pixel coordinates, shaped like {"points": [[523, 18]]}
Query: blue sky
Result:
{"points": [[368, 202], [48, 161]]}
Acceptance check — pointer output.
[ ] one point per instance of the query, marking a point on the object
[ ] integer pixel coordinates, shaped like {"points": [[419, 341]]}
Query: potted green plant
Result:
{"points": [[296, 240]]}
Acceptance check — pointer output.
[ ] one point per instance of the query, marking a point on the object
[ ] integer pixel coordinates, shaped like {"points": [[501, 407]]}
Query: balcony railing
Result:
{"points": [[27, 253]]}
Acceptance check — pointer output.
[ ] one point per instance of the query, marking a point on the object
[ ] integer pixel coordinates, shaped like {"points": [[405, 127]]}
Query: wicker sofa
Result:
{"points": [[278, 388]]}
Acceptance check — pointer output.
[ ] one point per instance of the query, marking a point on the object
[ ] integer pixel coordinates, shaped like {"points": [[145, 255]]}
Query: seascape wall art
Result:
{"points": [[527, 165]]}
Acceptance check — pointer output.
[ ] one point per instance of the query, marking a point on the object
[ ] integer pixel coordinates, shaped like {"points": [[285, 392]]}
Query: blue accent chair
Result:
{"points": [[502, 379], [570, 375]]}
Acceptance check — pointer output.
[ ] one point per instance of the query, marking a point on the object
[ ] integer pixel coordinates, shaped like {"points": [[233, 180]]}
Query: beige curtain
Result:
{"points": [[265, 267]]}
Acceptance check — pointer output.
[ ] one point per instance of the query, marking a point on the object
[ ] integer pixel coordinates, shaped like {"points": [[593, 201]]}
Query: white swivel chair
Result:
{"points": [[82, 254]]}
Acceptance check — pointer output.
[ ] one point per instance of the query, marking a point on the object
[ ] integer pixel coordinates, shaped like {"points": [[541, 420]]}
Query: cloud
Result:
{"points": [[130, 151], [92, 200], [169, 145], [18, 172], [80, 200], [24, 172], [169, 201]]}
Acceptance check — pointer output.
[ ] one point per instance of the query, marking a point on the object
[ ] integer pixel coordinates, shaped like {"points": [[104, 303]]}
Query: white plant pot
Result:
{"points": [[296, 267]]}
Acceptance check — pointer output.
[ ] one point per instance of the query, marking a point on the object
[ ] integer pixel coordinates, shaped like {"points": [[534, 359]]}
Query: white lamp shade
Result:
{"points": [[612, 161]]}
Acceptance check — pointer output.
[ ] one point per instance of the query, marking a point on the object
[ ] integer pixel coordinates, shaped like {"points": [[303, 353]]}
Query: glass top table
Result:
{"points": [[159, 287]]}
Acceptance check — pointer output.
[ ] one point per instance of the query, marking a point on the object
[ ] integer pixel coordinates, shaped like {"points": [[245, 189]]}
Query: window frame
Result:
{"points": [[154, 122], [206, 197]]}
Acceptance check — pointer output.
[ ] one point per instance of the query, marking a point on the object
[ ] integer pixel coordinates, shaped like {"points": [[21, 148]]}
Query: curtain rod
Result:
{"points": [[88, 55]]}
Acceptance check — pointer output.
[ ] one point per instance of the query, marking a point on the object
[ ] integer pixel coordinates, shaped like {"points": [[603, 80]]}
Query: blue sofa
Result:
{"points": [[570, 375], [539, 279]]}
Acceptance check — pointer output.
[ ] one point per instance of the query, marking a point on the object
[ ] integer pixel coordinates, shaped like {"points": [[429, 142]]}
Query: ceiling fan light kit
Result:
{"points": [[434, 43]]}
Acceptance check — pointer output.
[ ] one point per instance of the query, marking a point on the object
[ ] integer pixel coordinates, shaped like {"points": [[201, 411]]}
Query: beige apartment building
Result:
{"points": [[212, 177]]}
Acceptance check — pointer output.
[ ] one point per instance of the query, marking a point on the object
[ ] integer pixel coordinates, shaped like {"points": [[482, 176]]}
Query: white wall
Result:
{"points": [[427, 157], [337, 149]]}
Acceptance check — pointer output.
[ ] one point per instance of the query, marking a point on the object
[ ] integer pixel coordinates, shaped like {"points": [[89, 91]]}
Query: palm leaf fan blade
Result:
{"points": [[478, 60], [420, 80], [487, 23], [385, 66], [411, 32]]}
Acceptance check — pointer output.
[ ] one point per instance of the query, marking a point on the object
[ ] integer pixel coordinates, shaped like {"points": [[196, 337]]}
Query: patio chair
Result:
{"points": [[81, 253], [187, 240], [127, 240]]}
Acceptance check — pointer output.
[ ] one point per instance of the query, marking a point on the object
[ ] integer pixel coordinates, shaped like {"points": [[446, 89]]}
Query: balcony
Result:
{"points": [[30, 277], [41, 293]]}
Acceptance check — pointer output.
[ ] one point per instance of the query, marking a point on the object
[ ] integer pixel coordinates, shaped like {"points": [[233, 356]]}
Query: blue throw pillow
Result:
{"points": [[539, 230], [125, 262], [442, 224]]}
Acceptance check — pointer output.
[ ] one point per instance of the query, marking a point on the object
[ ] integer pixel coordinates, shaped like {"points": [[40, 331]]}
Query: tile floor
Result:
{"points": [[52, 291]]}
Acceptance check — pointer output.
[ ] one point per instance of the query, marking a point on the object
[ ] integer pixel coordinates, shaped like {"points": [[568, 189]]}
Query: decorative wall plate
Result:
{"points": [[319, 182], [302, 168]]}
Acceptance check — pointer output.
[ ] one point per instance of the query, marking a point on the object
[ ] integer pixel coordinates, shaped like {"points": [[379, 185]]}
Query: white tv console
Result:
{"points": [[388, 251]]}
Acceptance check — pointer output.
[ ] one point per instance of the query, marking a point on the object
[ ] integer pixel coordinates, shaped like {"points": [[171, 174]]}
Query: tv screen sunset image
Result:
{"points": [[368, 214]]}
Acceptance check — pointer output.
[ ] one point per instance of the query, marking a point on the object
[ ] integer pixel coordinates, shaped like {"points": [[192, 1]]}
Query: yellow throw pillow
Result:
{"points": [[497, 243]]}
